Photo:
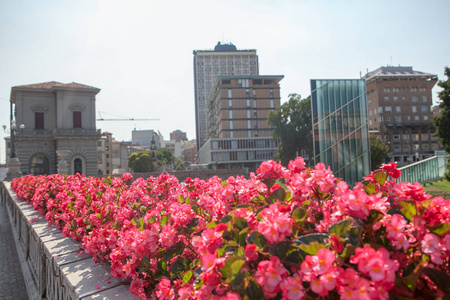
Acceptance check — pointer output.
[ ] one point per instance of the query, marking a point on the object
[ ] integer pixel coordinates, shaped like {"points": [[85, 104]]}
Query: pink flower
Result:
{"points": [[430, 243], [164, 290], [251, 252], [292, 288], [269, 275], [391, 169], [208, 261]]}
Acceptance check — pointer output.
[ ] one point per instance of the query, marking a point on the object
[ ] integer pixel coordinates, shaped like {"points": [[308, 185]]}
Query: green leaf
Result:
{"points": [[226, 219], [348, 251], [235, 268], [412, 278], [193, 223], [252, 289], [300, 214], [225, 271], [162, 265], [341, 228], [281, 249], [243, 236], [134, 222], [408, 209], [311, 248], [441, 279], [164, 220], [142, 223], [257, 238], [240, 223], [211, 225], [145, 261], [176, 249], [180, 265], [354, 235], [380, 177], [279, 194], [439, 229], [370, 188], [313, 237], [374, 216], [187, 277]]}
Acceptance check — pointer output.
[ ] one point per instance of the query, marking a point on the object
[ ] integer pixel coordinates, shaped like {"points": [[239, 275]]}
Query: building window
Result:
{"points": [[271, 93], [424, 108], [380, 119], [405, 137], [77, 166], [77, 119], [398, 109], [388, 119], [416, 118], [424, 99], [387, 109], [396, 89], [398, 119], [414, 99], [229, 93], [39, 120], [396, 138], [380, 110], [425, 118], [395, 99], [414, 109], [386, 99], [40, 165], [387, 90], [374, 111]]}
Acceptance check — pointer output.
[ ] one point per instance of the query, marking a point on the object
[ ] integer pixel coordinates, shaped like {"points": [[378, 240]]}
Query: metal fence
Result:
{"points": [[425, 170]]}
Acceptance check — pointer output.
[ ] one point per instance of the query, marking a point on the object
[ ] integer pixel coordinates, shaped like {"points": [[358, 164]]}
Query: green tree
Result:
{"points": [[292, 126], [164, 156], [141, 162], [442, 122], [379, 151], [179, 163]]}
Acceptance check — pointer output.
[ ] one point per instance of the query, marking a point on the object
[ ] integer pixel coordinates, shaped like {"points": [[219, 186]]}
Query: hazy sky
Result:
{"points": [[139, 53]]}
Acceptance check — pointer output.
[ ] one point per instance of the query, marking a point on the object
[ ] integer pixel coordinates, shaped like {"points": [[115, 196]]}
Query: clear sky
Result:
{"points": [[139, 53]]}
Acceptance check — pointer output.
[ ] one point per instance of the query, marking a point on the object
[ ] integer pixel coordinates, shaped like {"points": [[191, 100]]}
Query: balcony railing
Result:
{"points": [[76, 131], [33, 133]]}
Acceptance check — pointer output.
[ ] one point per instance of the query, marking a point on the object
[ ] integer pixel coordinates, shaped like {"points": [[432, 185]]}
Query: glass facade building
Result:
{"points": [[340, 127]]}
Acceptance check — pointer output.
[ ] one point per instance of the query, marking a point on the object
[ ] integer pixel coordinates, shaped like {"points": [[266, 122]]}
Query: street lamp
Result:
{"points": [[13, 162]]}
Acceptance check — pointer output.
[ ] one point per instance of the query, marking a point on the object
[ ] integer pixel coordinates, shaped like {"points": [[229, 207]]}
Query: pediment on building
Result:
{"points": [[39, 107], [77, 107]]}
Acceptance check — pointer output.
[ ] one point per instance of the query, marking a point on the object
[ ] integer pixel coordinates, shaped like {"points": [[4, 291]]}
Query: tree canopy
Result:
{"points": [[379, 151], [141, 162], [442, 122], [164, 156], [292, 126]]}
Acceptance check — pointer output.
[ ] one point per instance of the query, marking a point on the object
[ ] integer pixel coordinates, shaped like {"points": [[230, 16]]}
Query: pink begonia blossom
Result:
{"points": [[275, 225], [323, 178], [269, 275], [251, 252], [292, 287], [164, 290], [271, 169], [430, 243], [391, 169]]}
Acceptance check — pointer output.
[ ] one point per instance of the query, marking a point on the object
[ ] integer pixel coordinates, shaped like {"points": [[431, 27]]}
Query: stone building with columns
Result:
{"points": [[55, 118]]}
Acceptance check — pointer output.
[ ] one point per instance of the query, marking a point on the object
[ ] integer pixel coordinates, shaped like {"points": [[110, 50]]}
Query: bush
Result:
{"points": [[284, 233]]}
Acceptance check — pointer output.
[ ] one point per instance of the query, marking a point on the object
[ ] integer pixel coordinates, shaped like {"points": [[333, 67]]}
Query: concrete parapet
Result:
{"points": [[50, 264]]}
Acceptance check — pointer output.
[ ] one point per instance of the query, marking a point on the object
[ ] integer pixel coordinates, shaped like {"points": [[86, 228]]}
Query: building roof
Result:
{"points": [[225, 48], [52, 86], [391, 71]]}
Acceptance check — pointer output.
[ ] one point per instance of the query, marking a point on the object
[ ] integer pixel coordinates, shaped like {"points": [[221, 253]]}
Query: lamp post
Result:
{"points": [[13, 162]]}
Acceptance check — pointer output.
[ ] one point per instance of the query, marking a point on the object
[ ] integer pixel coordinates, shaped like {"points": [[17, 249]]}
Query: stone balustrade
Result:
{"points": [[50, 264]]}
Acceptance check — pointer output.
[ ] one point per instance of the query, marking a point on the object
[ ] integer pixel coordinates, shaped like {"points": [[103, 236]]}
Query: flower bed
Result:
{"points": [[285, 233]]}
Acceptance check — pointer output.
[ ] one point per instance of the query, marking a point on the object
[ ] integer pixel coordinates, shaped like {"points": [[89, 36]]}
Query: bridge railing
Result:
{"points": [[429, 169]]}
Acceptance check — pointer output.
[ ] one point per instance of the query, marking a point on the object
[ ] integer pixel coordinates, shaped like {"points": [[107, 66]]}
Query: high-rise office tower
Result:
{"points": [[224, 60], [399, 103]]}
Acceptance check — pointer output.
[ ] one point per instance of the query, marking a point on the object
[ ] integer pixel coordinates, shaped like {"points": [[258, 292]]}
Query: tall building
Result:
{"points": [[399, 103], [340, 128], [54, 116], [178, 136], [224, 60], [239, 134]]}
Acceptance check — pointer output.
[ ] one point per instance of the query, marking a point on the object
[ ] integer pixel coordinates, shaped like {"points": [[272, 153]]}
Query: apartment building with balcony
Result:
{"points": [[55, 116], [399, 104], [223, 60], [239, 134]]}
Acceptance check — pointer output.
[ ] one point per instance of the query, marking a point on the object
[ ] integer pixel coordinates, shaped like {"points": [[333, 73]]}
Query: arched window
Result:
{"points": [[78, 166], [40, 165]]}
